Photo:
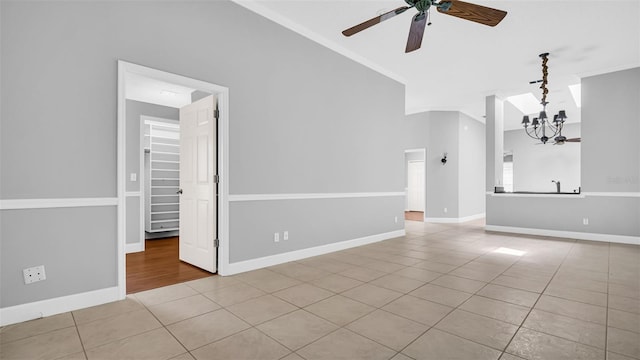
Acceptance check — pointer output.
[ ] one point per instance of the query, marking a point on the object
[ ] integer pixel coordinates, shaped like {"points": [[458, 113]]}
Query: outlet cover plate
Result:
{"points": [[34, 274]]}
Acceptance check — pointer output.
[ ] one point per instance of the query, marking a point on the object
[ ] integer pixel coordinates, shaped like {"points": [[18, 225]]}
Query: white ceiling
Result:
{"points": [[145, 89], [461, 62]]}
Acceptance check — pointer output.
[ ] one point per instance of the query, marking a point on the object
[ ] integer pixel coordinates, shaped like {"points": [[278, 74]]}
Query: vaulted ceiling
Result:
{"points": [[461, 62]]}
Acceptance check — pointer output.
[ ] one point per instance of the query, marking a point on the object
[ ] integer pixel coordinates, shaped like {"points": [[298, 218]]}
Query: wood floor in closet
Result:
{"points": [[159, 266], [414, 215]]}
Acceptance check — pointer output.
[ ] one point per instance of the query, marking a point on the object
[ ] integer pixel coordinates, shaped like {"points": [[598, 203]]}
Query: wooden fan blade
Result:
{"points": [[473, 12], [416, 32], [574, 140], [376, 20]]}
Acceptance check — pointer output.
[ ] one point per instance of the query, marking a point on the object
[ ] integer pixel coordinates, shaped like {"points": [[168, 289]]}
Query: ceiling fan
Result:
{"points": [[464, 10], [560, 140]]}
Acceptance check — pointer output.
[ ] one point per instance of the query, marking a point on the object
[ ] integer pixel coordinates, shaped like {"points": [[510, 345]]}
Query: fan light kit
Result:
{"points": [[464, 10], [541, 128]]}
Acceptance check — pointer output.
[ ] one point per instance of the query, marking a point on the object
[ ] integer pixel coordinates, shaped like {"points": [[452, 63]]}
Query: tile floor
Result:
{"points": [[440, 292]]}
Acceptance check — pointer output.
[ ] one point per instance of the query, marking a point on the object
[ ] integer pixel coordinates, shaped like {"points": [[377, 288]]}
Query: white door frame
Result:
{"points": [[222, 92], [424, 158]]}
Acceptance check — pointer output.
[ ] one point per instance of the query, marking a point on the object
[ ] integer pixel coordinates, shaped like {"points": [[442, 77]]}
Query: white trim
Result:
{"points": [[264, 197], [121, 174], [259, 263], [622, 239], [518, 195], [17, 204], [134, 247], [581, 195], [132, 193], [142, 179], [256, 7], [154, 120], [613, 194], [35, 310], [422, 150], [454, 220], [223, 185]]}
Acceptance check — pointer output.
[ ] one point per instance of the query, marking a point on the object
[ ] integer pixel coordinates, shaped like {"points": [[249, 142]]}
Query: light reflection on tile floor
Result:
{"points": [[443, 291]]}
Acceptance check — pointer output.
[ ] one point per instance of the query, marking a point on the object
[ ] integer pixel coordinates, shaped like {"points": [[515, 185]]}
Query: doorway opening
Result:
{"points": [[171, 161], [415, 184]]}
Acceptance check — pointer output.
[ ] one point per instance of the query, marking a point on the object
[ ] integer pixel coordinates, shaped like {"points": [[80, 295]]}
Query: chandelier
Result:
{"points": [[541, 128]]}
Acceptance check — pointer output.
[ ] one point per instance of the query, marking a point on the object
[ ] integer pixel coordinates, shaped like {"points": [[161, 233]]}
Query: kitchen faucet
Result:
{"points": [[557, 184]]}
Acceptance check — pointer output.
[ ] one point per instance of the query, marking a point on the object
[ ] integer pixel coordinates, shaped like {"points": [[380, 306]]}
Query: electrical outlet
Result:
{"points": [[133, 177], [445, 210], [396, 219], [285, 235], [585, 221], [276, 237], [34, 274]]}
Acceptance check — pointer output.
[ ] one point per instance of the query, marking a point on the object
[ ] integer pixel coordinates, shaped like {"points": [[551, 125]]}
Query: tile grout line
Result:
{"points": [[165, 326], [75, 324], [375, 308], [456, 308], [539, 296], [556, 272]]}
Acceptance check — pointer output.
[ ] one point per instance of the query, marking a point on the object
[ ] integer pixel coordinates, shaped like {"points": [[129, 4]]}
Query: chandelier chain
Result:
{"points": [[545, 73]]}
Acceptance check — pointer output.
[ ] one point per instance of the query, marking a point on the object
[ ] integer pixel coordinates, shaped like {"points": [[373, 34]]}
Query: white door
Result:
{"points": [[197, 170], [416, 185]]}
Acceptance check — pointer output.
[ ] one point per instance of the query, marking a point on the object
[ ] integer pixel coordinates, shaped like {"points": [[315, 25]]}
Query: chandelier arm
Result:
{"points": [[552, 128], [529, 133], [538, 133]]}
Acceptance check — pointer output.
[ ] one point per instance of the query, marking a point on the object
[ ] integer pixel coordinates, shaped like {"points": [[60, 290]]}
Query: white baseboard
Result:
{"points": [[454, 220], [259, 263], [622, 239], [38, 309], [132, 248]]}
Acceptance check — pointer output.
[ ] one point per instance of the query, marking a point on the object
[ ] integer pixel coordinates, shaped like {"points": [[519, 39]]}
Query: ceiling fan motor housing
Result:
{"points": [[420, 5], [424, 5]]}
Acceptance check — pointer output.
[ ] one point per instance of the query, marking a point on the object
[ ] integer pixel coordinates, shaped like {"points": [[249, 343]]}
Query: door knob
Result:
{"points": [[179, 192]]}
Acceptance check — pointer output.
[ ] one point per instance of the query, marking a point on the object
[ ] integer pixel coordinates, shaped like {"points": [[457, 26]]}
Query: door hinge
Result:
{"points": [[216, 178], [216, 243], [216, 114]]}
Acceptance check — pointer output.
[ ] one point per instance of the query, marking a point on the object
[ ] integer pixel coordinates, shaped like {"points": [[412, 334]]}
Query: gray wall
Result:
{"points": [[610, 163], [442, 180], [458, 185], [303, 119], [332, 220], [611, 132], [494, 129], [76, 245], [535, 165], [471, 167]]}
